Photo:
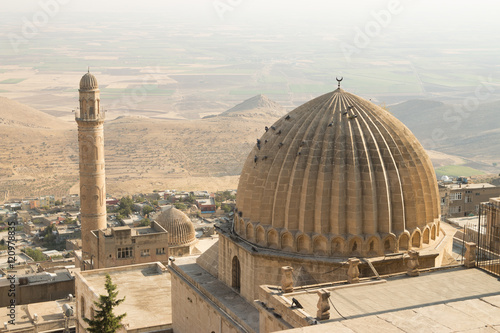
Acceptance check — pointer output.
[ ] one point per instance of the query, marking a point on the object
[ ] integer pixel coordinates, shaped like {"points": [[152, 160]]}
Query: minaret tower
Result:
{"points": [[90, 119]]}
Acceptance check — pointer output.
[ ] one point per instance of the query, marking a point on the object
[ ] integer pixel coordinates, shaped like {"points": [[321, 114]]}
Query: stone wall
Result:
{"points": [[259, 266], [193, 312], [36, 293]]}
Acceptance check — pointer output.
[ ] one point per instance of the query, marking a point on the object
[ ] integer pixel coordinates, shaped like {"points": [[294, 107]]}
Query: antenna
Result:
{"points": [[339, 80]]}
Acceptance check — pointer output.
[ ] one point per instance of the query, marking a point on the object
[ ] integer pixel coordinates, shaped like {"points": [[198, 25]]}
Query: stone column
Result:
{"points": [[412, 263], [353, 271], [470, 255], [323, 305], [287, 279]]}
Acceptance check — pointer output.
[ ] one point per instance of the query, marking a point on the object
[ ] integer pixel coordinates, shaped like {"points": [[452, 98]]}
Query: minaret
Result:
{"points": [[90, 119]]}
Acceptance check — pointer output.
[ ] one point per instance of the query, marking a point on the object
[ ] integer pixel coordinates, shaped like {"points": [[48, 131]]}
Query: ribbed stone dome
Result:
{"points": [[338, 176], [179, 226], [88, 82]]}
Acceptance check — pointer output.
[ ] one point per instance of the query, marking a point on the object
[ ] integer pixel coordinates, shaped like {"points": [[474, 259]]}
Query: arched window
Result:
{"points": [[236, 272], [82, 306]]}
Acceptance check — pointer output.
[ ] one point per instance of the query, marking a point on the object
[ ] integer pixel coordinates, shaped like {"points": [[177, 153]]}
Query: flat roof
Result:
{"points": [[47, 312], [457, 299], [469, 186], [146, 288]]}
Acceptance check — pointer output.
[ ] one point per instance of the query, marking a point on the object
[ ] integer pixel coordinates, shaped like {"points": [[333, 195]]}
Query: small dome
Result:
{"points": [[337, 168], [179, 226], [88, 82]]}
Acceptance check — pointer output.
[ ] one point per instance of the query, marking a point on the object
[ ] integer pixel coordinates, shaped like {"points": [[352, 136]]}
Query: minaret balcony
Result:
{"points": [[101, 116]]}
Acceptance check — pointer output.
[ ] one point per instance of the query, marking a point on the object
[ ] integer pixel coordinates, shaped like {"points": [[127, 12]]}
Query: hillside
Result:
{"points": [[15, 114], [453, 129], [257, 106], [39, 153], [141, 154]]}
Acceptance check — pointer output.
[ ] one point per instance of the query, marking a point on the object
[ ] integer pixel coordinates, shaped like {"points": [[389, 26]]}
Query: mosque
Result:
{"points": [[104, 247], [337, 205]]}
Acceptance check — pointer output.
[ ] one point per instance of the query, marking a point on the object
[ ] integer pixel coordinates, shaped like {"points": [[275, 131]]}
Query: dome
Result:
{"points": [[88, 82], [338, 176], [179, 226]]}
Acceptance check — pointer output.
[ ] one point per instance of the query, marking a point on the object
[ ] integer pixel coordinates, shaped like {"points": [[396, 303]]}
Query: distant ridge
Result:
{"points": [[454, 129], [15, 114], [258, 105]]}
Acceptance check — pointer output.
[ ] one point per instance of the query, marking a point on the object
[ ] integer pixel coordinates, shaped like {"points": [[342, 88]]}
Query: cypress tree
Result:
{"points": [[105, 320]]}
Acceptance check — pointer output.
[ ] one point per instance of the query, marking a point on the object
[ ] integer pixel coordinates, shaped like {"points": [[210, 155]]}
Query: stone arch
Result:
{"points": [[303, 243], [355, 246], [425, 235], [260, 235], [236, 274], [319, 245], [242, 227], [250, 232], [97, 195], [389, 244], [287, 242], [337, 247], [372, 246], [404, 242], [272, 239], [433, 232], [416, 239]]}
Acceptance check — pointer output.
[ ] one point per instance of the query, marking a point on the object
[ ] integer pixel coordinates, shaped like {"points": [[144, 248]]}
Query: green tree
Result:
{"points": [[105, 320], [226, 208], [146, 210], [36, 255], [145, 222], [180, 205], [125, 206]]}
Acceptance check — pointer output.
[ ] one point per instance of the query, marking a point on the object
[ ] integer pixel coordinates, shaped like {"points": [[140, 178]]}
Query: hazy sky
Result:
{"points": [[442, 13], [457, 38]]}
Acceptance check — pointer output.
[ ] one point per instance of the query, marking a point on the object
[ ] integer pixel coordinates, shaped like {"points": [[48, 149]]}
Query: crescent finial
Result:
{"points": [[339, 80]]}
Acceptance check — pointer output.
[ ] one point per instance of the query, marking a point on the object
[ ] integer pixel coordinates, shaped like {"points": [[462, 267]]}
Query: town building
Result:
{"points": [[38, 287], [119, 246], [458, 199], [51, 316], [206, 205], [147, 292]]}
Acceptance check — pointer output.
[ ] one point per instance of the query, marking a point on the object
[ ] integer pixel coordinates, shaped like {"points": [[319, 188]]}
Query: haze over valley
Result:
{"points": [[188, 89]]}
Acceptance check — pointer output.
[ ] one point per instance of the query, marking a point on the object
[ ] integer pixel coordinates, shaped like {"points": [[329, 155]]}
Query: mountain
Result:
{"points": [[15, 114], [141, 153], [468, 130], [39, 152], [257, 106]]}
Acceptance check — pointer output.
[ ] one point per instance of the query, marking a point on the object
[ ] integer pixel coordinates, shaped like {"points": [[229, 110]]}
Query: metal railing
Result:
{"points": [[487, 237]]}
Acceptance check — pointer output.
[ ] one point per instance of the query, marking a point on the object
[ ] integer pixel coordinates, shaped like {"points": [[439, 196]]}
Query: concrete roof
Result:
{"points": [[469, 186], [453, 300], [146, 290], [50, 315]]}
